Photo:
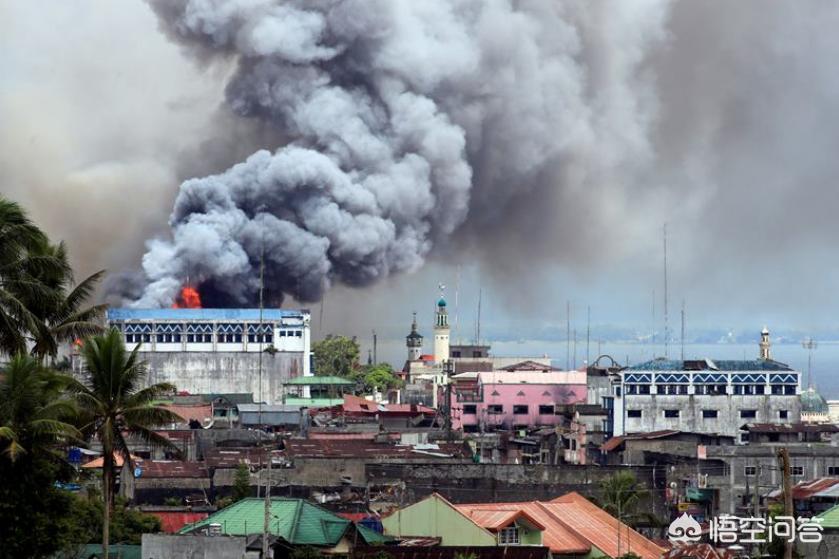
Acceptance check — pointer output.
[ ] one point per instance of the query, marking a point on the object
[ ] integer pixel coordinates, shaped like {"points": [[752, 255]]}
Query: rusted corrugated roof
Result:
{"points": [[558, 537], [599, 528], [496, 518], [232, 457], [615, 442], [452, 552], [790, 428], [352, 448], [171, 469], [201, 412], [806, 489]]}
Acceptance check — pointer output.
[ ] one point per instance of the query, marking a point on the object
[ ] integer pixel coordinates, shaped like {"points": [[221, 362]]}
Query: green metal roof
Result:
{"points": [[320, 381], [830, 518], [296, 521]]}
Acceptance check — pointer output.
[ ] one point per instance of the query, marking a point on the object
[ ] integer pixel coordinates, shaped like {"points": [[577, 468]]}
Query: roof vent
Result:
{"points": [[214, 529]]}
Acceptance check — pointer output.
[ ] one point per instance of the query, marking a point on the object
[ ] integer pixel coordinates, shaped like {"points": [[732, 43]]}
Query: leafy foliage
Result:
{"points": [[38, 302], [113, 402], [241, 483], [379, 377], [336, 356], [620, 495]]}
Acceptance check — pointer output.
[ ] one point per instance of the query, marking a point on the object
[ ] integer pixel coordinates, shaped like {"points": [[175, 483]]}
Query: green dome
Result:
{"points": [[441, 302], [813, 402]]}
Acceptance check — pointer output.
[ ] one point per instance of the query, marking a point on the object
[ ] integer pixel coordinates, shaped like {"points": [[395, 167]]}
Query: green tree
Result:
{"points": [[620, 495], [241, 483], [34, 419], [336, 356], [113, 402], [21, 264], [377, 377], [63, 317]]}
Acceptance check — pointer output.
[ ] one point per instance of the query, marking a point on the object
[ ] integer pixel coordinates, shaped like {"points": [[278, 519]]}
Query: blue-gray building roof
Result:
{"points": [[201, 314], [710, 365]]}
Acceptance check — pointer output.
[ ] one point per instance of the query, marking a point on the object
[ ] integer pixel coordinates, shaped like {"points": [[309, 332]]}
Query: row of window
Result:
{"points": [[498, 409], [796, 471], [706, 414], [207, 338], [707, 389]]}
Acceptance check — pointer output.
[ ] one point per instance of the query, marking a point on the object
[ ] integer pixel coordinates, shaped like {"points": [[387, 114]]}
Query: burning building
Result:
{"points": [[219, 350]]}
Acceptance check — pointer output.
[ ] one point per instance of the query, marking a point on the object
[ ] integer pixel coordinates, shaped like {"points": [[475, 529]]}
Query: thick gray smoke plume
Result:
{"points": [[402, 117]]}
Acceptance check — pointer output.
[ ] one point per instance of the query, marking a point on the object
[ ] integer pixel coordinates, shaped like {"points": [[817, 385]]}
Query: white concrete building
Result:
{"points": [[219, 350], [706, 396]]}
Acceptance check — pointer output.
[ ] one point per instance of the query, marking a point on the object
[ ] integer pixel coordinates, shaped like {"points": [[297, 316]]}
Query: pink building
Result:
{"points": [[513, 399]]}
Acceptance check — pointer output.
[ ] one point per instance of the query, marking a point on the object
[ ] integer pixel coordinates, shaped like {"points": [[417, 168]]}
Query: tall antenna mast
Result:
{"points": [[567, 335], [666, 329], [456, 306], [478, 322], [588, 335], [809, 344], [683, 330]]}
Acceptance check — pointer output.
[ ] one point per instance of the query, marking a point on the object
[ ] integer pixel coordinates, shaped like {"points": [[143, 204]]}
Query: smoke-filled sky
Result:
{"points": [[534, 149]]}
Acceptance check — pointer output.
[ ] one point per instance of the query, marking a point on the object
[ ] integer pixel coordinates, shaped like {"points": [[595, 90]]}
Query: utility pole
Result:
{"points": [[756, 496], [682, 337], [375, 344], [267, 515], [783, 456]]}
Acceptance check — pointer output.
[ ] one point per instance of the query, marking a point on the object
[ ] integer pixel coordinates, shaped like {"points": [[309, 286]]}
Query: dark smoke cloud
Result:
{"points": [[404, 119]]}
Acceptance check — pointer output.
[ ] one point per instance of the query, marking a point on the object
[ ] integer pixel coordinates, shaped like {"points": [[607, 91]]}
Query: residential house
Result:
{"points": [[293, 523], [570, 525]]}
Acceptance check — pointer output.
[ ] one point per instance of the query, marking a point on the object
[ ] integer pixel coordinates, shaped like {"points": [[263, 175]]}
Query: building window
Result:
{"points": [[470, 409], [520, 410], [709, 414], [777, 389], [750, 471], [748, 414], [789, 390], [760, 389], [797, 471], [671, 413], [710, 389], [508, 536], [618, 391], [672, 389], [633, 413], [744, 437], [833, 470], [783, 414], [546, 409], [495, 409], [298, 333]]}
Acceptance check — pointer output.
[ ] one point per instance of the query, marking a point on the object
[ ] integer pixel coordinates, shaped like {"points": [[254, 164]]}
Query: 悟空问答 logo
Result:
{"points": [[684, 529]]}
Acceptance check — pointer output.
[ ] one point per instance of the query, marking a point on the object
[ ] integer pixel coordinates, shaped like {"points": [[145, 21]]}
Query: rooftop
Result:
{"points": [[830, 518], [320, 381], [526, 377], [357, 448], [294, 520], [662, 364], [201, 314], [790, 428]]}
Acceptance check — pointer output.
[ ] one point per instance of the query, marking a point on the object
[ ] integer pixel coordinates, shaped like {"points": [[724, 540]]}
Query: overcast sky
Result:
{"points": [[102, 117]]}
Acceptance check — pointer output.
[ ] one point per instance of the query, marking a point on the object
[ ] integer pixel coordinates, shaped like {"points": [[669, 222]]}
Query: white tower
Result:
{"points": [[765, 352], [441, 332], [414, 342]]}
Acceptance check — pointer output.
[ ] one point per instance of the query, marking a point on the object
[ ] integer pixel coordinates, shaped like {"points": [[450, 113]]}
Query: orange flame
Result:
{"points": [[188, 298]]}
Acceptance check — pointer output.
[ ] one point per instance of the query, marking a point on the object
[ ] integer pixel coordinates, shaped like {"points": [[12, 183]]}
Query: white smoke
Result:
{"points": [[405, 119]]}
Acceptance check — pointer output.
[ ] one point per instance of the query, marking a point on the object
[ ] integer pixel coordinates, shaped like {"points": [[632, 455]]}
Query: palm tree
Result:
{"points": [[620, 494], [114, 401], [19, 261], [63, 317], [33, 415]]}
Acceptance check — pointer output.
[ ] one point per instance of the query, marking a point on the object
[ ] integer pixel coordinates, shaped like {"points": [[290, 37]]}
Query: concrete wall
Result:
{"points": [[728, 421], [219, 372], [474, 483], [510, 395], [165, 546]]}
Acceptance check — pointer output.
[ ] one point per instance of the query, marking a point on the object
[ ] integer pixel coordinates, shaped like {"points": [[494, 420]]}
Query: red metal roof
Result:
{"points": [[496, 518], [599, 528], [806, 489], [171, 522], [201, 412]]}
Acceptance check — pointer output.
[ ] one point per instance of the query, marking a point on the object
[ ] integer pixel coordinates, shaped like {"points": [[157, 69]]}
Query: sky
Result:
{"points": [[574, 130]]}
